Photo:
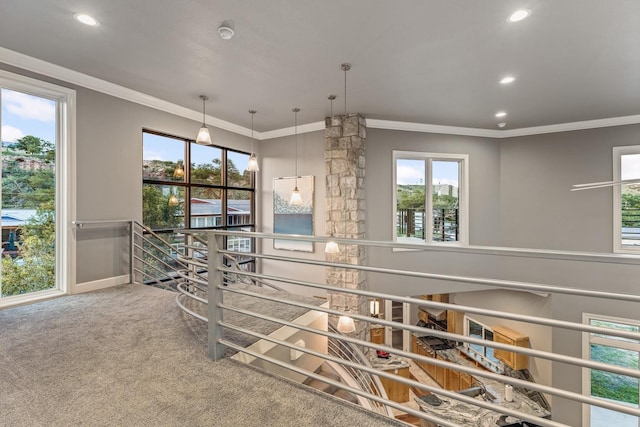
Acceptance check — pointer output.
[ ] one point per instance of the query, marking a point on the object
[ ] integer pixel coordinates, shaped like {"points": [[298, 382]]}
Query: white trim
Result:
{"points": [[35, 65], [463, 194], [51, 70], [278, 133], [30, 298], [429, 128], [101, 284], [65, 198], [587, 339]]}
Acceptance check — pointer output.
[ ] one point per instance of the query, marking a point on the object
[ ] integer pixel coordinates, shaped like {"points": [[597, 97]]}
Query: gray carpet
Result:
{"points": [[126, 356]]}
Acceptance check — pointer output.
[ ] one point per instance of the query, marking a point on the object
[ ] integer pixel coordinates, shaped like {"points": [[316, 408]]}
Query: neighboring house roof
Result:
{"points": [[205, 207], [16, 217]]}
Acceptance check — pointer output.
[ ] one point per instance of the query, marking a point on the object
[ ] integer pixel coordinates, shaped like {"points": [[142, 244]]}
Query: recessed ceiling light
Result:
{"points": [[507, 79], [501, 114], [86, 19], [502, 124], [519, 15]]}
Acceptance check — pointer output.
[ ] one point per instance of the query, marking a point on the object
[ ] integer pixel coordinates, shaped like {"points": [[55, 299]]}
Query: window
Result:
{"points": [[190, 185], [626, 200], [484, 354], [617, 351], [37, 134], [430, 197]]}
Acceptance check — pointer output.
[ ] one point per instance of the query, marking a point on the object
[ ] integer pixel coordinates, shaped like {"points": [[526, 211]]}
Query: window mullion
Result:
{"points": [[428, 205]]}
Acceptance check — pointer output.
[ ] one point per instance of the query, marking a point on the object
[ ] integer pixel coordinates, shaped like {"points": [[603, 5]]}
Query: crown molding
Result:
{"points": [[306, 128], [39, 66], [48, 69], [572, 126], [427, 128]]}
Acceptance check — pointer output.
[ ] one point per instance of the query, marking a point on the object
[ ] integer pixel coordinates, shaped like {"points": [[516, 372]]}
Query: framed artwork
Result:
{"points": [[293, 219]]}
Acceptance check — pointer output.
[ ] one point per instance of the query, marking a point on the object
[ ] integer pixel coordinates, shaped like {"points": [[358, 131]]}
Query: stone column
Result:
{"points": [[345, 143]]}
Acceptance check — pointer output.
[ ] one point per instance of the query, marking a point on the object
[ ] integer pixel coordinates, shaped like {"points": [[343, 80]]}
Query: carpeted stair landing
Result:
{"points": [[125, 356]]}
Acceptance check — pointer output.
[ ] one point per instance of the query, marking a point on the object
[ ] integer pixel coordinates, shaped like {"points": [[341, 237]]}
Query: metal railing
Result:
{"points": [[217, 324], [204, 278], [412, 222]]}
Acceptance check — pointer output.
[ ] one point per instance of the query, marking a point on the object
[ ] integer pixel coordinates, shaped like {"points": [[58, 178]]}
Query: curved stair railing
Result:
{"points": [[366, 381]]}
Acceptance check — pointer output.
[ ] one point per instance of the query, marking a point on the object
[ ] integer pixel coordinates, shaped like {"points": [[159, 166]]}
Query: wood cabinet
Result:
{"points": [[504, 335], [398, 392], [455, 322], [377, 335]]}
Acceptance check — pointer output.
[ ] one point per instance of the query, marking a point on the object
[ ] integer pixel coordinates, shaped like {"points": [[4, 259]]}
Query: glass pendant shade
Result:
{"points": [[173, 200], [296, 198], [346, 325], [204, 138], [331, 248], [252, 165], [178, 172]]}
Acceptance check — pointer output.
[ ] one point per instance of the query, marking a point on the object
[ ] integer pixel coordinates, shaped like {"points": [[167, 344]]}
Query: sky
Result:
{"points": [[24, 114], [411, 172], [158, 147], [630, 166]]}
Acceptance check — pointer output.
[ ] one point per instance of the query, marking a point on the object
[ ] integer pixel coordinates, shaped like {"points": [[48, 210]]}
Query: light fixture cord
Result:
{"points": [[204, 99], [345, 90], [295, 124], [252, 140]]}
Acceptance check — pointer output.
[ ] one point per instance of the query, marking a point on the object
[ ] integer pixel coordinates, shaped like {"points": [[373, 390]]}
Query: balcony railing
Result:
{"points": [[410, 223]]}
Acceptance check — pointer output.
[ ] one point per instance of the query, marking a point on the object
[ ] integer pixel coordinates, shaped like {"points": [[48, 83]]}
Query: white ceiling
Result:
{"points": [[421, 61]]}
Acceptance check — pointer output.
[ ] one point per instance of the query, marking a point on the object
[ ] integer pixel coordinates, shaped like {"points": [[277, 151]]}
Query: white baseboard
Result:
{"points": [[100, 284]]}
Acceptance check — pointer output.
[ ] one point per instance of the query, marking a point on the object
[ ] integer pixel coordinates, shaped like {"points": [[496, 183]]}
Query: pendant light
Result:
{"points": [[204, 138], [296, 198], [345, 67], [252, 166], [346, 325], [331, 246], [178, 172], [173, 200]]}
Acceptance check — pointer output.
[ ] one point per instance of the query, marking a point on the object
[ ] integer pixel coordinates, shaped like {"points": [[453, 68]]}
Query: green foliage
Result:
{"points": [[35, 269], [614, 386], [33, 145], [28, 182], [156, 211], [411, 197], [631, 209], [28, 187]]}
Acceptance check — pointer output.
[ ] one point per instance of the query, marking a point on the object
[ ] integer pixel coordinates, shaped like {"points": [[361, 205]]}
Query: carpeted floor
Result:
{"points": [[126, 356]]}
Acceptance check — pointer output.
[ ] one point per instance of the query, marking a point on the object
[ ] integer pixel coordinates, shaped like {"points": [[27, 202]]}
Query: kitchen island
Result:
{"points": [[471, 415]]}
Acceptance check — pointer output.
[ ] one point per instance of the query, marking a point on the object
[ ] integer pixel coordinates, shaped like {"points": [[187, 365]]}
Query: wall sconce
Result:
{"points": [[374, 308]]}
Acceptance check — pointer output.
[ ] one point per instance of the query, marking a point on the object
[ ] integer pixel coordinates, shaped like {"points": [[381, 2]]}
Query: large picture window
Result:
{"points": [[37, 134], [430, 197], [626, 200], [187, 185]]}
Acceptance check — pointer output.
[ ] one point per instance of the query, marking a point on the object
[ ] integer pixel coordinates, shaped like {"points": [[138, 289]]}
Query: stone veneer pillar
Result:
{"points": [[345, 143]]}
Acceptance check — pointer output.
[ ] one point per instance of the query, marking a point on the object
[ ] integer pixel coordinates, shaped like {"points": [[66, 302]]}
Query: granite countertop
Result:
{"points": [[393, 362], [470, 415]]}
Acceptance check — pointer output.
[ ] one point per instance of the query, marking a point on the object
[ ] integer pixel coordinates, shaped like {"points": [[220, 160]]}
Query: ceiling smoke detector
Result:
{"points": [[226, 33]]}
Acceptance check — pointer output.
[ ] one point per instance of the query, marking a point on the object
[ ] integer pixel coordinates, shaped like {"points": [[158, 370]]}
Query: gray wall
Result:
{"points": [[278, 160], [484, 202], [538, 210]]}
